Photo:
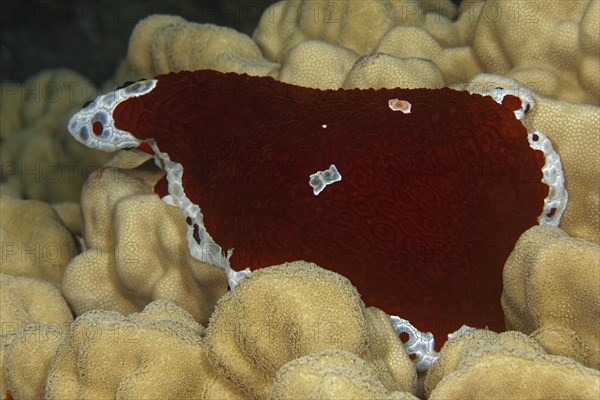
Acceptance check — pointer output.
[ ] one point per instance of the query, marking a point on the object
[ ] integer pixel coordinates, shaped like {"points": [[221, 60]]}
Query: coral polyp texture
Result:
{"points": [[135, 251], [35, 240], [281, 313], [484, 364], [545, 259], [39, 160], [105, 354], [306, 204], [34, 317]]}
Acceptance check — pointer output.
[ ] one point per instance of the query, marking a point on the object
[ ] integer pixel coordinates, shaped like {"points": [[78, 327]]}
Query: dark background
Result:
{"points": [[91, 36]]}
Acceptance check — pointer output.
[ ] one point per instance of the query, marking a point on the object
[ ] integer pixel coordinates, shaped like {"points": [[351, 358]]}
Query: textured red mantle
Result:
{"points": [[428, 209]]}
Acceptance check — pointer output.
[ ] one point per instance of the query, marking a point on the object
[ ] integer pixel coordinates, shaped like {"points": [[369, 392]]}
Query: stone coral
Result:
{"points": [[70, 214], [471, 342], [27, 379], [34, 240], [458, 44], [317, 64], [386, 71], [552, 47], [454, 60], [33, 318], [282, 313], [318, 46], [240, 354], [485, 364], [39, 160], [136, 250], [27, 300], [357, 26], [159, 351], [160, 44], [551, 291], [331, 374]]}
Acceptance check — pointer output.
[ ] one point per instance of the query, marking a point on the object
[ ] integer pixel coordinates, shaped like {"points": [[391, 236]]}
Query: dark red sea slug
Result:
{"points": [[429, 205]]}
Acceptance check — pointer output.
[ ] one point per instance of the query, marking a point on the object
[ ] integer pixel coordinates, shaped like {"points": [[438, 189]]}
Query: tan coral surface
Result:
{"points": [[136, 250], [281, 313], [40, 160], [551, 291], [483, 364], [331, 374], [551, 46], [33, 317], [37, 342], [157, 352], [35, 241], [162, 43]]}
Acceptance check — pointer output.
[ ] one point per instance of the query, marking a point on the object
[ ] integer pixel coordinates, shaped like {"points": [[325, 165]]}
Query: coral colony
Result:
{"points": [[432, 200]]}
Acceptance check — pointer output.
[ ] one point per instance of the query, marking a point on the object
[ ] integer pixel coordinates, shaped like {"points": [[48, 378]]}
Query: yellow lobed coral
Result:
{"points": [[136, 250], [158, 351], [387, 355], [550, 46], [70, 214], [355, 25], [320, 333], [285, 312], [331, 374], [27, 360], [461, 348], [454, 63], [317, 64], [551, 291], [27, 301], [484, 364], [383, 70], [33, 317], [34, 240], [312, 45], [39, 158], [161, 43]]}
